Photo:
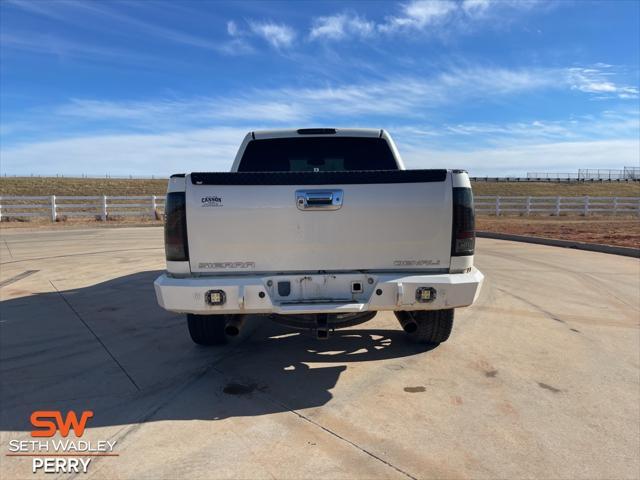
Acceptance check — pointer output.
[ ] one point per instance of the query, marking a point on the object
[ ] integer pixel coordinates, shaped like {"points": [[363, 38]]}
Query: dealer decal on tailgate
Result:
{"points": [[211, 201]]}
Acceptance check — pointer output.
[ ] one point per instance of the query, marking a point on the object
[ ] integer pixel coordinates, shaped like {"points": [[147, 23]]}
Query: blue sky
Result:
{"points": [[154, 87]]}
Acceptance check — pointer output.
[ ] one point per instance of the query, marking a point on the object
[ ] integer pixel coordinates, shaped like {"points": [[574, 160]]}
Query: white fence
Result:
{"points": [[499, 205], [105, 207], [100, 207]]}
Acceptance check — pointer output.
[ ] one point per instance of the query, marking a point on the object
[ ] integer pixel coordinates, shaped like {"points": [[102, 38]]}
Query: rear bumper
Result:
{"points": [[331, 293]]}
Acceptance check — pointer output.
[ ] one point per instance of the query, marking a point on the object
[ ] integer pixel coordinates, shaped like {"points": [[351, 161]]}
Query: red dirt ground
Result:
{"points": [[621, 231]]}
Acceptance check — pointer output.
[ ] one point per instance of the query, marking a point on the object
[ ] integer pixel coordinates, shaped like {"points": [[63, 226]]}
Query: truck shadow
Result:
{"points": [[109, 348]]}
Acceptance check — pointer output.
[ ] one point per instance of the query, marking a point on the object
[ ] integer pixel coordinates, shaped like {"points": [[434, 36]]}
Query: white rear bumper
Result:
{"points": [[319, 293]]}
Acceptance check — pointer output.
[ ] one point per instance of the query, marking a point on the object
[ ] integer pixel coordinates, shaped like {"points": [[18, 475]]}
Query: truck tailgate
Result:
{"points": [[291, 222]]}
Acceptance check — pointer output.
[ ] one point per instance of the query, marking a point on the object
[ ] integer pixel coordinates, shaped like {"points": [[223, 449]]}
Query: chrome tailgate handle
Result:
{"points": [[318, 199]]}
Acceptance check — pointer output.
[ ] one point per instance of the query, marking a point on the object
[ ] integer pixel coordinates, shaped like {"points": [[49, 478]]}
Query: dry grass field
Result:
{"points": [[81, 186], [623, 231], [115, 186]]}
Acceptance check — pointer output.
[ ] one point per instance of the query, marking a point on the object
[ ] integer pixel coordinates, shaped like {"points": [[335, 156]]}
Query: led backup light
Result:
{"points": [[215, 297], [425, 294], [465, 244]]}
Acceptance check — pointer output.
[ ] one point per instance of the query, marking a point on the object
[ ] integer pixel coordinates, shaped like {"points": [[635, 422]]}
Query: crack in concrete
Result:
{"points": [[81, 254], [353, 444], [125, 432], [531, 304], [20, 276], [340, 437], [95, 336], [7, 245]]}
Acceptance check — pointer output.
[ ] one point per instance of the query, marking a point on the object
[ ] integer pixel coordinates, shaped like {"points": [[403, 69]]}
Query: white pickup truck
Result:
{"points": [[319, 229]]}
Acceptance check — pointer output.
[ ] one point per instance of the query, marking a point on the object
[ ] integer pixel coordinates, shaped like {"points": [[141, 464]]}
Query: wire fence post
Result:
{"points": [[53, 208], [498, 205], [528, 206], [586, 205], [615, 205], [154, 212], [104, 208], [557, 211]]}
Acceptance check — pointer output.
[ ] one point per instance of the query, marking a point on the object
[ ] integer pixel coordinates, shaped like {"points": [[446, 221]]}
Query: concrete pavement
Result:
{"points": [[540, 378]]}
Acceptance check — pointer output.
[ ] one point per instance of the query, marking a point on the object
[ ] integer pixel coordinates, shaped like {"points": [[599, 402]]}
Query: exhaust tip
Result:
{"points": [[234, 325], [232, 330], [410, 327]]}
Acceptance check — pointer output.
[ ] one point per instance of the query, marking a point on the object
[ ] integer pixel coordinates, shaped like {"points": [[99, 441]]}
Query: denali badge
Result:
{"points": [[217, 265], [415, 263], [211, 201]]}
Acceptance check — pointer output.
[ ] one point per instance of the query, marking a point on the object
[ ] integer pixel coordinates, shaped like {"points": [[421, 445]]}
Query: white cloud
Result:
{"points": [[99, 109], [480, 8], [96, 14], [181, 133], [232, 28], [126, 154], [214, 150], [235, 46], [168, 34], [440, 17], [597, 87], [607, 140], [168, 114], [48, 44], [606, 125], [277, 35], [566, 157], [408, 96], [238, 44], [418, 14], [339, 26], [598, 80], [329, 27], [476, 7]]}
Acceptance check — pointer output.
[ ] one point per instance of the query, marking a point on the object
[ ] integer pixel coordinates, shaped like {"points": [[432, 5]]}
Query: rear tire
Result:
{"points": [[207, 329], [427, 326]]}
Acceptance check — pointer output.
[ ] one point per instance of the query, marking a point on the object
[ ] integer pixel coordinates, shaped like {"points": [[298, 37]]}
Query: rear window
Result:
{"points": [[317, 154]]}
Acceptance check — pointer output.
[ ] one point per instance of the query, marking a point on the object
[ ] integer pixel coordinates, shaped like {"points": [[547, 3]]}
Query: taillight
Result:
{"points": [[175, 228], [463, 237]]}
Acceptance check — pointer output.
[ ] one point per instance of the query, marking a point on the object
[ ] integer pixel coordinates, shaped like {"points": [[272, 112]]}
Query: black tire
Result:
{"points": [[427, 326], [207, 329]]}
